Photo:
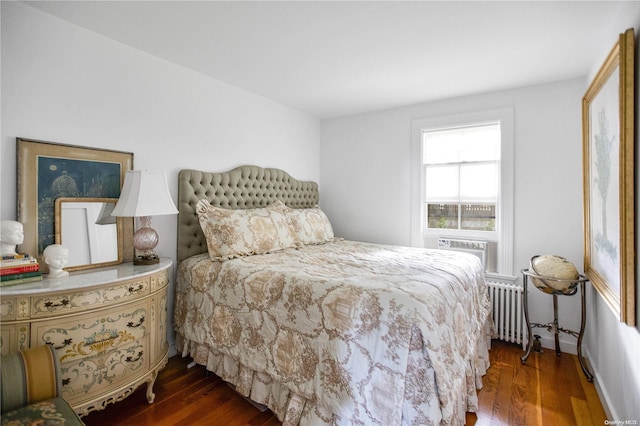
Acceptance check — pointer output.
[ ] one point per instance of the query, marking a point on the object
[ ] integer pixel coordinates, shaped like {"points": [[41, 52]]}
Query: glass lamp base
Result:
{"points": [[145, 241]]}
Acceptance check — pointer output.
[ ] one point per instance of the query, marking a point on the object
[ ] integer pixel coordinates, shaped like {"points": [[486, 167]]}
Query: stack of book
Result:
{"points": [[19, 269]]}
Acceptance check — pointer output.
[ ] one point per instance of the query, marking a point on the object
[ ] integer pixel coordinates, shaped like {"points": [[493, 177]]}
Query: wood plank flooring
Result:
{"points": [[548, 390]]}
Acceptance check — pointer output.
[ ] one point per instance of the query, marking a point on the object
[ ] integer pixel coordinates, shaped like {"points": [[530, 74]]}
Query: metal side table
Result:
{"points": [[553, 326]]}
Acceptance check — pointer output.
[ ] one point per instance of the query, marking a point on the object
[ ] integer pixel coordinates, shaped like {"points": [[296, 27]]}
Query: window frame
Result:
{"points": [[505, 208]]}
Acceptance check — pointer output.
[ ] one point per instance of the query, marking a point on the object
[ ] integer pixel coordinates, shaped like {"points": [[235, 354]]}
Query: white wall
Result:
{"points": [[61, 83]]}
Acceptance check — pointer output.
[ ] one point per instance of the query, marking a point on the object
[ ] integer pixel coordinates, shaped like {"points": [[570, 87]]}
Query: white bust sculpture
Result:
{"points": [[57, 257], [11, 235]]}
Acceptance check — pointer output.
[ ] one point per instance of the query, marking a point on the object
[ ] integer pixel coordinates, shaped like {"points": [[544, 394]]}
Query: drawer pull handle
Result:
{"points": [[63, 302], [130, 359], [133, 289], [132, 325], [65, 342]]}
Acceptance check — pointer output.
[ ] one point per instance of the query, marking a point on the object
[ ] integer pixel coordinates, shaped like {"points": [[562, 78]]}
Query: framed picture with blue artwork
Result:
{"points": [[48, 171], [609, 180]]}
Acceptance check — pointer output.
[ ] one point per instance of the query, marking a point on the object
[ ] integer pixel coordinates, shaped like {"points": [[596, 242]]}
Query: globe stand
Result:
{"points": [[553, 327]]}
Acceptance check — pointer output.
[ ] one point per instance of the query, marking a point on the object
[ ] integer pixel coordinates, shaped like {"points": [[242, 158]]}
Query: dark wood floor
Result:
{"points": [[548, 390]]}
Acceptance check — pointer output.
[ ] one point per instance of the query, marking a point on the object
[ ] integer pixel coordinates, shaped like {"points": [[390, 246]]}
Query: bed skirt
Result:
{"points": [[293, 409]]}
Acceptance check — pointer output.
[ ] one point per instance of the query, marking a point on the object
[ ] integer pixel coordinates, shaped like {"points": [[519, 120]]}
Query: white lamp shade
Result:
{"points": [[144, 193]]}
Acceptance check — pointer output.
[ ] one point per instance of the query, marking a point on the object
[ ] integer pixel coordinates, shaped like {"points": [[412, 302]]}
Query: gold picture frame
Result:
{"points": [[609, 179], [49, 170], [92, 228]]}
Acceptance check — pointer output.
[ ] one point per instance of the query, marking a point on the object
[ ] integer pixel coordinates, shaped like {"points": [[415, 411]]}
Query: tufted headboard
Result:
{"points": [[244, 187]]}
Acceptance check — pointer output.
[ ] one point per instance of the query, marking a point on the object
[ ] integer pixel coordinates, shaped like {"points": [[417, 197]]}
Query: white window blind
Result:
{"points": [[462, 176]]}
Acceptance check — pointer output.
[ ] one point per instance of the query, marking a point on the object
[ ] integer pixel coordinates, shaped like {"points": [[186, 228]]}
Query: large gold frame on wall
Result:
{"points": [[36, 210], [608, 113]]}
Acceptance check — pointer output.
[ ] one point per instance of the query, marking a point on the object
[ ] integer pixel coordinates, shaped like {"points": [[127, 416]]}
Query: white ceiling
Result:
{"points": [[335, 58]]}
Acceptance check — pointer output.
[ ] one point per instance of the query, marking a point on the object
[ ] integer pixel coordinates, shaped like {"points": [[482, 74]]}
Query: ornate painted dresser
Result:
{"points": [[108, 326]]}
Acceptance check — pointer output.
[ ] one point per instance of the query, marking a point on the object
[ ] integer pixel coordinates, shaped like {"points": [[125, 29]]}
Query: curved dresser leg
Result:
{"points": [[151, 396]]}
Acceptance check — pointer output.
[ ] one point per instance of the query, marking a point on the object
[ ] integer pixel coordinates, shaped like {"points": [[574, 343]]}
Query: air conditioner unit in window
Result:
{"points": [[475, 247]]}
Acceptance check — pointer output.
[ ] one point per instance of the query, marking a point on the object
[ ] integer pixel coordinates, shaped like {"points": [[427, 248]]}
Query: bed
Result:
{"points": [[322, 330]]}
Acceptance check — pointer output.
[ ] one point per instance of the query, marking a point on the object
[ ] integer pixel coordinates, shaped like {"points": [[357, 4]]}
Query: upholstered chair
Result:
{"points": [[31, 388]]}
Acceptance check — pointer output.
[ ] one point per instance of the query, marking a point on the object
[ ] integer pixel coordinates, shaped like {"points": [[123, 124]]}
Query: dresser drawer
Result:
{"points": [[105, 371], [70, 302], [93, 333], [13, 337], [159, 280], [8, 308], [13, 308]]}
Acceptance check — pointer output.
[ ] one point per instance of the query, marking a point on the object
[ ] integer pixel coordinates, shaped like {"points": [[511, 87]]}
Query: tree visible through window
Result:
{"points": [[462, 177]]}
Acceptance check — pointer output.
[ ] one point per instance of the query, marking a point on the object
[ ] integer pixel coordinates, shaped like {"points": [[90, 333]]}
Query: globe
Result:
{"points": [[552, 266]]}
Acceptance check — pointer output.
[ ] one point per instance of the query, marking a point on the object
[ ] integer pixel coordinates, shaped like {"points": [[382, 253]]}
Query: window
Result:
{"points": [[461, 178], [463, 181]]}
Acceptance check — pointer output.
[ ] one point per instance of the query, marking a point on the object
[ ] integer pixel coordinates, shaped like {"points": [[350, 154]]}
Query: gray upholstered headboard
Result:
{"points": [[244, 187]]}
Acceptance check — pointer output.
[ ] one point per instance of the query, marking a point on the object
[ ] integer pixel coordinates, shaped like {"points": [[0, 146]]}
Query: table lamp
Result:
{"points": [[144, 194]]}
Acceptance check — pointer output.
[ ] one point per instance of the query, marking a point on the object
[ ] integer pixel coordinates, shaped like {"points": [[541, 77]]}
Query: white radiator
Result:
{"points": [[507, 310]]}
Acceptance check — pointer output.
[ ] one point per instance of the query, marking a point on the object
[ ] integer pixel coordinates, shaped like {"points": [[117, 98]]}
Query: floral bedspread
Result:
{"points": [[342, 333]]}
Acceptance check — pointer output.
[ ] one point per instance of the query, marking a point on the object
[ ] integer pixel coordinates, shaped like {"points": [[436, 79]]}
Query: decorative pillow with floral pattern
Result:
{"points": [[310, 226], [243, 232]]}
